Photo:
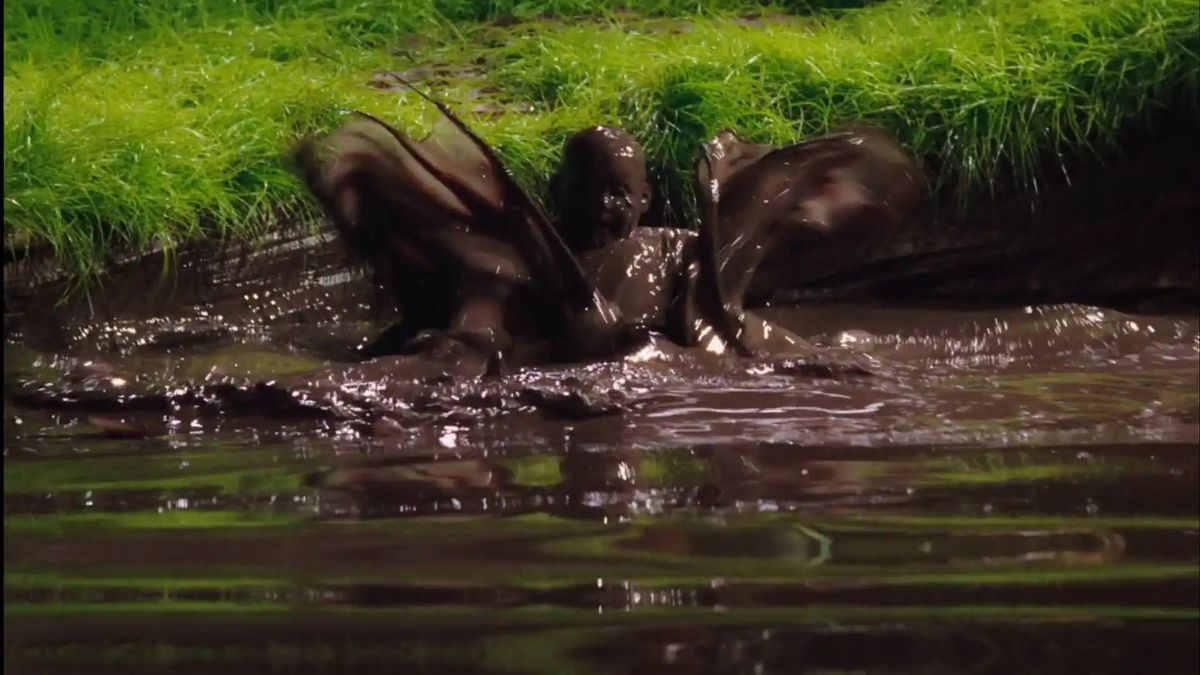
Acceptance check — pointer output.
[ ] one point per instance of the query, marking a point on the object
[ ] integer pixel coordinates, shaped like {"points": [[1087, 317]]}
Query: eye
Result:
{"points": [[617, 198]]}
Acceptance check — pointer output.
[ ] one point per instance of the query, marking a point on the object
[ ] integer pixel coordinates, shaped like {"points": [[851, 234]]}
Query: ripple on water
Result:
{"points": [[1005, 491]]}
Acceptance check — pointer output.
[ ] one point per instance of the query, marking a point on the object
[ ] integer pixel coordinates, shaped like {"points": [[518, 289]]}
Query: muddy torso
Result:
{"points": [[651, 276], [644, 273]]}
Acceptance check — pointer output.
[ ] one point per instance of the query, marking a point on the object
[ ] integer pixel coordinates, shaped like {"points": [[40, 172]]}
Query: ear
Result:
{"points": [[643, 197]]}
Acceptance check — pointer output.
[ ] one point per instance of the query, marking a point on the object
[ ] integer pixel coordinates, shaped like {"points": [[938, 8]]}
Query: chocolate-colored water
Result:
{"points": [[1011, 489]]}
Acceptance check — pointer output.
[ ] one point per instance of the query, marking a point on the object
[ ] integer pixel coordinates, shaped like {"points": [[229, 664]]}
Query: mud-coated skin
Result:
{"points": [[652, 275], [823, 197], [441, 221], [600, 188], [644, 273]]}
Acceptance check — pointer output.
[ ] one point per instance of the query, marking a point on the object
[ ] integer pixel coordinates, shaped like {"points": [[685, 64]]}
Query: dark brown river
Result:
{"points": [[200, 477]]}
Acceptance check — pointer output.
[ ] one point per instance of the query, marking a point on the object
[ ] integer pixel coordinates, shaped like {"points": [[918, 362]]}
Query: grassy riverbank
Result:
{"points": [[135, 124]]}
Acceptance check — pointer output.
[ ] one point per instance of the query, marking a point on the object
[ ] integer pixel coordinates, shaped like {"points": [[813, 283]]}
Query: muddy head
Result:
{"points": [[600, 187]]}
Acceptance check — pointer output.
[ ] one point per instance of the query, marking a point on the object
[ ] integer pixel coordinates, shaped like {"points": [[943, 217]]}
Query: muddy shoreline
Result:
{"points": [[1117, 230]]}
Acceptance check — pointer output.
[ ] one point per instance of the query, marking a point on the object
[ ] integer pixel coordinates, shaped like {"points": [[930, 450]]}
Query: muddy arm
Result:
{"points": [[443, 215], [708, 307], [820, 194]]}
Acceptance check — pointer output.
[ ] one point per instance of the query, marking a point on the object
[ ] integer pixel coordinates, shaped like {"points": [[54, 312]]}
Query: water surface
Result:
{"points": [[1012, 489]]}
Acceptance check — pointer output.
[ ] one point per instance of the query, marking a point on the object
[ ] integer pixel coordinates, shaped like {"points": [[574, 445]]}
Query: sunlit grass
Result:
{"points": [[131, 125]]}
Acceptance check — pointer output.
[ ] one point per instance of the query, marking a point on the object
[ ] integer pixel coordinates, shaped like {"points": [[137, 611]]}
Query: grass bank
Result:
{"points": [[137, 124]]}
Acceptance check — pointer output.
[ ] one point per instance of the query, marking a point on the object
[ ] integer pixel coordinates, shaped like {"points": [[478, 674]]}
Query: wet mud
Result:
{"points": [[204, 473]]}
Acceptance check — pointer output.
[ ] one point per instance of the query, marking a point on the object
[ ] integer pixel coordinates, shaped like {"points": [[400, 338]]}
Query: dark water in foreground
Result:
{"points": [[1015, 490]]}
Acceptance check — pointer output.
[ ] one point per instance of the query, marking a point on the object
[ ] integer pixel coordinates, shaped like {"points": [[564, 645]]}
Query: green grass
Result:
{"points": [[243, 472], [76, 524], [131, 125]]}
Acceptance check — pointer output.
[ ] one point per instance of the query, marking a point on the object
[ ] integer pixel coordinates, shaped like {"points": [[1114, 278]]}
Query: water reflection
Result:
{"points": [[746, 556]]}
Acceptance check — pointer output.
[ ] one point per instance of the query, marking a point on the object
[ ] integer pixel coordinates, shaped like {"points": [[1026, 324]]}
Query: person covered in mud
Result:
{"points": [[770, 199], [442, 223]]}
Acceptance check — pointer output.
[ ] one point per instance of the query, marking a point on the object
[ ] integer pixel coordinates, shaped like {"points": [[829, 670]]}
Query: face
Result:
{"points": [[601, 187]]}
